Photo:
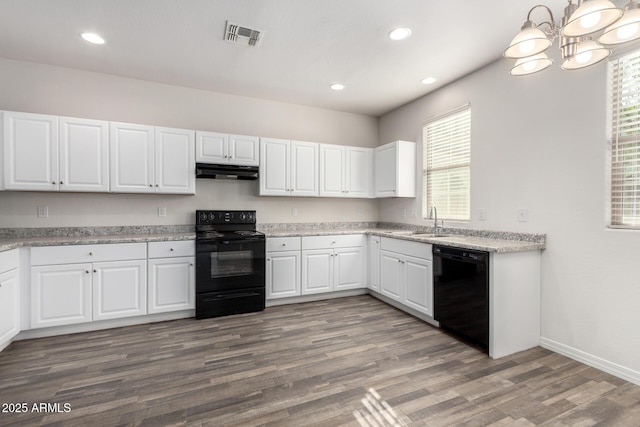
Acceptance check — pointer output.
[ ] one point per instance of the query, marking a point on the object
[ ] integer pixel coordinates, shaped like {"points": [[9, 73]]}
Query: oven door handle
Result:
{"points": [[231, 296]]}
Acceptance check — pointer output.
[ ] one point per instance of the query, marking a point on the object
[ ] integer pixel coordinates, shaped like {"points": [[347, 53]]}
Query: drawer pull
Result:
{"points": [[91, 253], [284, 244], [86, 271], [171, 249], [95, 271]]}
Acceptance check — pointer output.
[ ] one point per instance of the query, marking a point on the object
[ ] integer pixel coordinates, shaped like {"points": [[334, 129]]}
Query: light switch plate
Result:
{"points": [[482, 214], [162, 211], [43, 211]]}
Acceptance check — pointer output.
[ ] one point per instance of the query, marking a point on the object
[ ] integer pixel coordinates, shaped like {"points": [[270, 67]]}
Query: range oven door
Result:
{"points": [[230, 265]]}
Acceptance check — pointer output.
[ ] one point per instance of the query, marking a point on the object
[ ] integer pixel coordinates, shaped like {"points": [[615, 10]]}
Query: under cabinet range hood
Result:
{"points": [[223, 171]]}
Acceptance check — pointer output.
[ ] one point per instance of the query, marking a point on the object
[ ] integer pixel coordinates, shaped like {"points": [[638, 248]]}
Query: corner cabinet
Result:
{"points": [[216, 148], [288, 168], [49, 153], [406, 273], [395, 170], [332, 263], [345, 171], [147, 159]]}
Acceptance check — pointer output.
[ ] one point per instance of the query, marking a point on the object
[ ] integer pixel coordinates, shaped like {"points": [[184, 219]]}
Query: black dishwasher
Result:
{"points": [[461, 292]]}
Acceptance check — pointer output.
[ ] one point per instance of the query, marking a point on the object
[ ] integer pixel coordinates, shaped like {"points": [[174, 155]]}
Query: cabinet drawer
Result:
{"points": [[406, 247], [8, 260], [87, 253], [176, 248], [324, 242], [278, 244]]}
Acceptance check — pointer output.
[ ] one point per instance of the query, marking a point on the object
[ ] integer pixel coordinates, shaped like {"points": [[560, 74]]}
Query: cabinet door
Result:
{"points": [[30, 152], [374, 263], [60, 295], [385, 171], [244, 150], [304, 168], [211, 147], [358, 173], [348, 269], [171, 284], [9, 306], [175, 161], [418, 279], [283, 274], [84, 155], [317, 271], [131, 158], [332, 171], [119, 289], [391, 275], [274, 167]]}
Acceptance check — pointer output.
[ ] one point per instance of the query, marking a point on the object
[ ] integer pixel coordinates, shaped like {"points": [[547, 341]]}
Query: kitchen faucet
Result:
{"points": [[433, 214]]}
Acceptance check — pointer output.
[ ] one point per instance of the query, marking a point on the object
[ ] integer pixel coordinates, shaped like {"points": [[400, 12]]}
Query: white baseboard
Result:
{"points": [[315, 297], [591, 360]]}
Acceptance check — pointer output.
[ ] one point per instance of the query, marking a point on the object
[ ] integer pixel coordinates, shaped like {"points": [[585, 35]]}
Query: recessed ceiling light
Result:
{"points": [[337, 86], [428, 80], [399, 34], [92, 38]]}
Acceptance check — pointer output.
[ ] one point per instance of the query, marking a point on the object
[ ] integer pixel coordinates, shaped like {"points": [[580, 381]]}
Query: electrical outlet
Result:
{"points": [[43, 211], [162, 211], [294, 211], [523, 215], [360, 212], [404, 212], [482, 214]]}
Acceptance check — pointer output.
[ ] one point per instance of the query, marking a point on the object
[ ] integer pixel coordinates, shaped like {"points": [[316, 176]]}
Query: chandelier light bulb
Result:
{"points": [[628, 31], [526, 47], [591, 20], [530, 66], [584, 57]]}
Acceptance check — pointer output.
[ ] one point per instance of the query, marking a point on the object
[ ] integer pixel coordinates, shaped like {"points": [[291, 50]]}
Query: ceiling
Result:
{"points": [[307, 44]]}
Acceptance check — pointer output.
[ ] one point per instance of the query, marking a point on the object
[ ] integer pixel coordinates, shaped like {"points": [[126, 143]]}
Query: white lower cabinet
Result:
{"points": [[81, 283], [406, 273], [9, 297], [374, 263], [283, 267], [119, 289], [60, 294], [171, 276], [332, 263]]}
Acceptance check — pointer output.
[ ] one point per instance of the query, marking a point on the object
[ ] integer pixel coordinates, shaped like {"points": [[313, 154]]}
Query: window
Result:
{"points": [[625, 141], [447, 164]]}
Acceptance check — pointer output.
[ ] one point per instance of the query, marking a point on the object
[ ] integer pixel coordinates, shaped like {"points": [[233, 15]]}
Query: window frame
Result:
{"points": [[615, 215], [427, 171]]}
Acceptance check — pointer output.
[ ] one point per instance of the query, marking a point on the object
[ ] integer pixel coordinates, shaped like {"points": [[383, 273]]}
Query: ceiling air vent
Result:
{"points": [[235, 33]]}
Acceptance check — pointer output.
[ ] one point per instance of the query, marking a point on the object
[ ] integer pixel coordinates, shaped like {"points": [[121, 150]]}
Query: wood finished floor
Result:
{"points": [[351, 361]]}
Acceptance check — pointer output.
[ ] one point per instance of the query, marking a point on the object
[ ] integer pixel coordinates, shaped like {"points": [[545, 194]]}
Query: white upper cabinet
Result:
{"points": [[395, 169], [30, 152], [213, 147], [288, 168], [49, 153], [175, 161], [345, 171], [304, 168], [146, 159], [84, 155], [132, 158]]}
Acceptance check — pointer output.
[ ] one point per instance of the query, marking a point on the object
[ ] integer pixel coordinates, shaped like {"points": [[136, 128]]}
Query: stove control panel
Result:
{"points": [[225, 217]]}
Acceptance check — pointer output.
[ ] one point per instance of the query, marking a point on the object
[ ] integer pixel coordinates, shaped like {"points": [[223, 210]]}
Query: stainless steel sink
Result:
{"points": [[403, 232]]}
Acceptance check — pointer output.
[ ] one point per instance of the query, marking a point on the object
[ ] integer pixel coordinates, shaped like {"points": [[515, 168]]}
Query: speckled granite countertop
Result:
{"points": [[16, 238], [490, 241]]}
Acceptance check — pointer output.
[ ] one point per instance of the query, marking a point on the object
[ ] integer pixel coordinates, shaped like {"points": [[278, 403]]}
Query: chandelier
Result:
{"points": [[580, 23]]}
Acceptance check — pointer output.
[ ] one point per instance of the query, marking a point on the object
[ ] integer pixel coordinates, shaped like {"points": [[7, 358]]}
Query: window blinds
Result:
{"points": [[447, 164], [625, 141]]}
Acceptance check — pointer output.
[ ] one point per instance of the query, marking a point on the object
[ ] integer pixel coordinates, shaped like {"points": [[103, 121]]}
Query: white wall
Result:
{"points": [[45, 89], [539, 142]]}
